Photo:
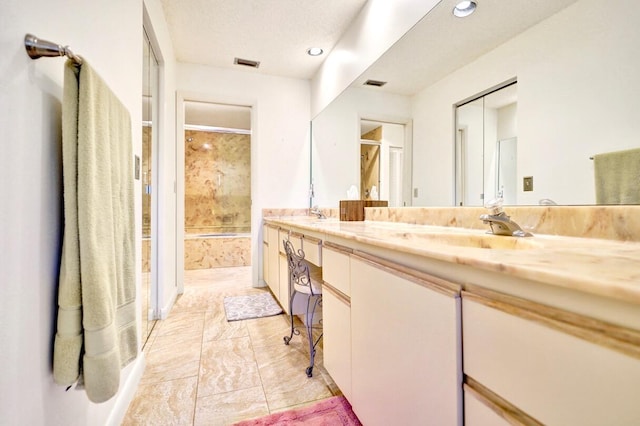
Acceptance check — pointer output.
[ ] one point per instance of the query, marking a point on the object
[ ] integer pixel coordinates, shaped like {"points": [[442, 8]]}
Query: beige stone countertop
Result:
{"points": [[602, 267]]}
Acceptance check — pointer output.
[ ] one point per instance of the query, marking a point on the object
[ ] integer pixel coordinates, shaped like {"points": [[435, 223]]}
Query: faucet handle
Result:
{"points": [[494, 206]]}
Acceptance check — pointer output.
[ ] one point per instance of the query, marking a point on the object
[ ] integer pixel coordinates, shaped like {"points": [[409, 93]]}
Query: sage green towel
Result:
{"points": [[96, 328], [617, 176]]}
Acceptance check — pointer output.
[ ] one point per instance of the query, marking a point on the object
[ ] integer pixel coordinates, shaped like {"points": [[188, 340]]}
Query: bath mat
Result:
{"points": [[335, 411], [251, 306]]}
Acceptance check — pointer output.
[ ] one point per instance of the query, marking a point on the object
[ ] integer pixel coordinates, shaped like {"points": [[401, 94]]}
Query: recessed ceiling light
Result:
{"points": [[464, 8], [314, 51]]}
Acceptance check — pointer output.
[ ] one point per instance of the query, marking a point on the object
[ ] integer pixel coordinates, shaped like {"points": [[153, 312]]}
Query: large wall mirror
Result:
{"points": [[576, 67]]}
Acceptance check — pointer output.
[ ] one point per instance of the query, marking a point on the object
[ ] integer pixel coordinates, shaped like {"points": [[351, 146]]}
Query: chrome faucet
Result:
{"points": [[315, 210], [500, 223]]}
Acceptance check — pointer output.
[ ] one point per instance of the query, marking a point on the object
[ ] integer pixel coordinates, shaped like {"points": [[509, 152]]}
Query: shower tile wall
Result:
{"points": [[217, 252], [217, 182], [217, 199], [146, 198], [146, 180], [370, 163]]}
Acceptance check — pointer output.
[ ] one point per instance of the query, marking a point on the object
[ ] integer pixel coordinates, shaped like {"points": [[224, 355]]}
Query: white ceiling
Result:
{"points": [[441, 43], [276, 33]]}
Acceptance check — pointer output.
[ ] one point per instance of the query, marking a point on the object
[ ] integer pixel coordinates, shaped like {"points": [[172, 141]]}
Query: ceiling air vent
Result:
{"points": [[246, 62], [375, 83]]}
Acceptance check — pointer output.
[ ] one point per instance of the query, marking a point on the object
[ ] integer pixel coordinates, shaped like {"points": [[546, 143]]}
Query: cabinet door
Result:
{"points": [[285, 292], [534, 362], [265, 262], [405, 349], [274, 260], [336, 314]]}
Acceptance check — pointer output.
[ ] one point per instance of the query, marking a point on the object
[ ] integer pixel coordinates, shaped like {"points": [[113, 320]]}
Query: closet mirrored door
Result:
{"points": [[149, 142]]}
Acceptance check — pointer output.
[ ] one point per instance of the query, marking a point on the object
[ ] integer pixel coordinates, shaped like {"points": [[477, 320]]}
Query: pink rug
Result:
{"points": [[335, 411]]}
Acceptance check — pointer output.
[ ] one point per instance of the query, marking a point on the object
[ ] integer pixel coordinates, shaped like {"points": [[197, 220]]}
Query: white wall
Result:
{"points": [[279, 141], [336, 139], [577, 96], [109, 36], [378, 26]]}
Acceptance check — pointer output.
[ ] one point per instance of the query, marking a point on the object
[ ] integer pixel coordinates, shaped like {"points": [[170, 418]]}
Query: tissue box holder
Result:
{"points": [[353, 210]]}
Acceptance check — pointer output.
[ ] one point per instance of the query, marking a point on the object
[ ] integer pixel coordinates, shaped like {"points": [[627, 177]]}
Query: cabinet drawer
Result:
{"points": [[477, 413], [543, 370], [294, 237], [336, 269], [312, 250]]}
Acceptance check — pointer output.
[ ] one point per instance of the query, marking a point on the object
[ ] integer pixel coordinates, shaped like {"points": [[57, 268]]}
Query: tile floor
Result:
{"points": [[203, 370]]}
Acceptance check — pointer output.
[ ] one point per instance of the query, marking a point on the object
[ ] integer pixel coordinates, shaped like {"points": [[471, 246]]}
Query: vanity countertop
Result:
{"points": [[601, 267]]}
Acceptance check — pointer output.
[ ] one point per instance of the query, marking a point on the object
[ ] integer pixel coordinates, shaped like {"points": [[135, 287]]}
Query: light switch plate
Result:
{"points": [[527, 183], [137, 170]]}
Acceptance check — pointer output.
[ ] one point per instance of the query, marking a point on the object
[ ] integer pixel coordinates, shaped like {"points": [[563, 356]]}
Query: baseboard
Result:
{"points": [[164, 311], [127, 391]]}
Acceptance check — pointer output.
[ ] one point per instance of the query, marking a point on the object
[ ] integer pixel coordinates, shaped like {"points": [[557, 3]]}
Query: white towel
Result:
{"points": [[96, 330]]}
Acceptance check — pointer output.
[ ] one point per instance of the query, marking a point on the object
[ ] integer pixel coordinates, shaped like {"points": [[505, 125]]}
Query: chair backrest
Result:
{"points": [[298, 267]]}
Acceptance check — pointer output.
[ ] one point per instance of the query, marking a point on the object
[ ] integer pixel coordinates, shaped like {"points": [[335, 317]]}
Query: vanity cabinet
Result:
{"points": [[546, 365], [284, 292], [405, 345], [265, 254], [273, 259], [336, 314]]}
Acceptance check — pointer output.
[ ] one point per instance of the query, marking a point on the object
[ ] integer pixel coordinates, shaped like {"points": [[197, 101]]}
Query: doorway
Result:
{"points": [[217, 185], [384, 175]]}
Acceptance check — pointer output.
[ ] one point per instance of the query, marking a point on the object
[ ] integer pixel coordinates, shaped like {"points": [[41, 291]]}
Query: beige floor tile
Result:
{"points": [[231, 370], [216, 326], [182, 323], [230, 407], [172, 357], [227, 365], [195, 299], [270, 330], [282, 370], [166, 403], [237, 350]]}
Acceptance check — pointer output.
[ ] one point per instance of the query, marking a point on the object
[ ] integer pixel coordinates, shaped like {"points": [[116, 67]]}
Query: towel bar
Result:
{"points": [[37, 48]]}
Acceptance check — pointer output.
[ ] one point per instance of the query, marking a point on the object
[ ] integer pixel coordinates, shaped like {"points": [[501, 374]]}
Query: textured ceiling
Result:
{"points": [[441, 43], [276, 33]]}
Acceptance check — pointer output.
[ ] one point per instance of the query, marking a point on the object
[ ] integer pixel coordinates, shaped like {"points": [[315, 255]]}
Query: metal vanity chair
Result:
{"points": [[300, 283]]}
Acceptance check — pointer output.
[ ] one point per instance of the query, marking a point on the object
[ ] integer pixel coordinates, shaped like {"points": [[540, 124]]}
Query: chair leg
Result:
{"points": [[288, 338], [309, 326]]}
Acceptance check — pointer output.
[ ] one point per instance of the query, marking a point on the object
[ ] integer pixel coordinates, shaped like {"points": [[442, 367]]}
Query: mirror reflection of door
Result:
{"points": [[382, 168], [486, 154], [470, 153], [149, 144], [506, 170]]}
